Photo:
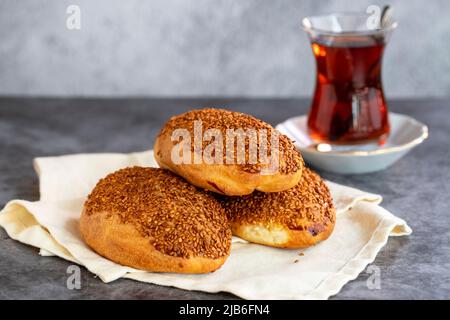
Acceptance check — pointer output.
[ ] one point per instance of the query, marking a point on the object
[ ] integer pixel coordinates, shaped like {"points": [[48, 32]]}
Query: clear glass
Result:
{"points": [[348, 106]]}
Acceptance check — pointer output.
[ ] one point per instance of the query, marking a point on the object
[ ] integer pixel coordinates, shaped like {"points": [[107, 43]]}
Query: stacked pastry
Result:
{"points": [[180, 217]]}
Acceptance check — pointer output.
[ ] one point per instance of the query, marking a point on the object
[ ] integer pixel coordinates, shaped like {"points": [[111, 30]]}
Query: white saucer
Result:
{"points": [[406, 133]]}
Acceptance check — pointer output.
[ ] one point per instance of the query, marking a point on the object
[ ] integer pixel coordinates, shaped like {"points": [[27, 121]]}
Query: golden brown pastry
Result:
{"points": [[296, 218], [151, 219], [230, 172]]}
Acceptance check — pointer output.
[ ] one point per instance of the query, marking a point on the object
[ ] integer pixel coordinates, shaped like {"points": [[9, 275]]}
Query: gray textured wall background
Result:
{"points": [[200, 47]]}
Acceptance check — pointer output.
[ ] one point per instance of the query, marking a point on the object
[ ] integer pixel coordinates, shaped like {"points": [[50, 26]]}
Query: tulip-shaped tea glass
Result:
{"points": [[348, 106]]}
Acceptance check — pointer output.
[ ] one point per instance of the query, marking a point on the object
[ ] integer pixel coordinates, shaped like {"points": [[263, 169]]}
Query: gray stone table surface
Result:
{"points": [[416, 189]]}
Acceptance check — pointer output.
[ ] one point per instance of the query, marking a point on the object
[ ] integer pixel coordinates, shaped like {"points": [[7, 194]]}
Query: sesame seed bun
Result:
{"points": [[296, 218], [151, 219], [232, 179]]}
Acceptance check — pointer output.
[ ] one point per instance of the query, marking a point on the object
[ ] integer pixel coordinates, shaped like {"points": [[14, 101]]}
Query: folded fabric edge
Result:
{"points": [[396, 231], [19, 223], [216, 288], [346, 197], [12, 219], [137, 154], [45, 253], [361, 198], [389, 226]]}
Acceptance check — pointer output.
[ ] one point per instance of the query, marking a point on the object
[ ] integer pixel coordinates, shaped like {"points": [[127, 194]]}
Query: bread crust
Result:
{"points": [[279, 236], [226, 179], [123, 244], [151, 219], [297, 218]]}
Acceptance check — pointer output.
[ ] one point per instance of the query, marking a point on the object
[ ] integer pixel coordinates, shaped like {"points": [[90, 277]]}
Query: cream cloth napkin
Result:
{"points": [[252, 271]]}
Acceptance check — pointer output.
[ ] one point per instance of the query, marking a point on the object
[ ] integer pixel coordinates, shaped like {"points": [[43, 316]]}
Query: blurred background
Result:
{"points": [[245, 48]]}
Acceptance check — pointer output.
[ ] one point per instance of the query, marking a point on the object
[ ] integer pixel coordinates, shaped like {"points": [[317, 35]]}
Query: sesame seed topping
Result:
{"points": [[307, 206], [177, 218], [290, 159]]}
